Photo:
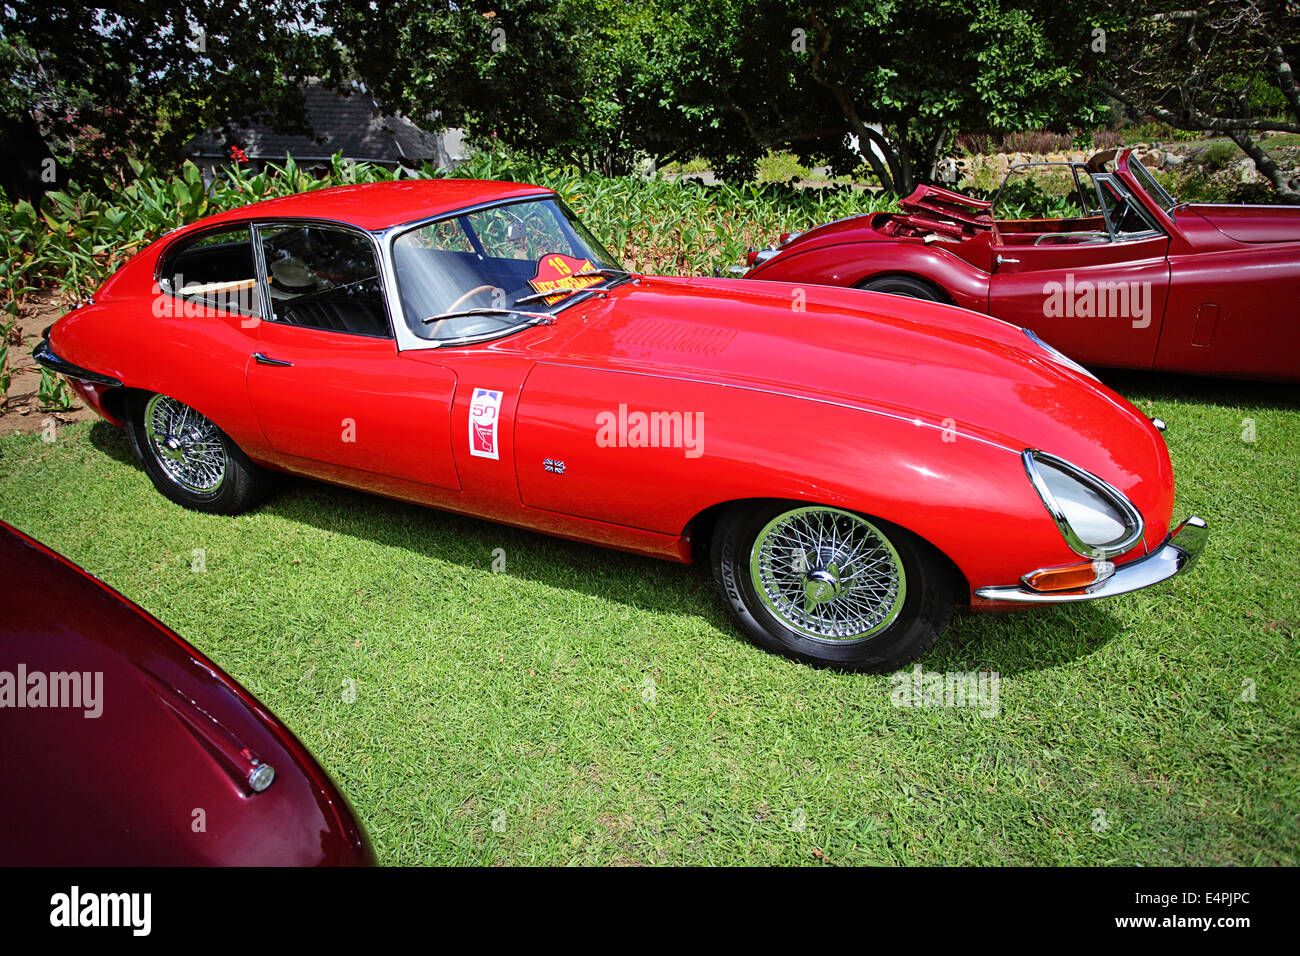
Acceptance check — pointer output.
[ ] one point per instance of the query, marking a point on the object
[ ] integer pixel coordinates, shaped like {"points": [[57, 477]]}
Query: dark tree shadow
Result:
{"points": [[1224, 392]]}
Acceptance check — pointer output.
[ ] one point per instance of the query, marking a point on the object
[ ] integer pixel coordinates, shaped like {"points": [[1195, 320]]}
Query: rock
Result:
{"points": [[1172, 161]]}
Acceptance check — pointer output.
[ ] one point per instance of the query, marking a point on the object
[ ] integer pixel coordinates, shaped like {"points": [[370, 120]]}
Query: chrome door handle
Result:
{"points": [[1003, 259], [263, 359]]}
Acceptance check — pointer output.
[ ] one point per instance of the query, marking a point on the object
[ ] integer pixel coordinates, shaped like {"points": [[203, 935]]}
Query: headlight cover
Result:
{"points": [[1057, 355], [1095, 518]]}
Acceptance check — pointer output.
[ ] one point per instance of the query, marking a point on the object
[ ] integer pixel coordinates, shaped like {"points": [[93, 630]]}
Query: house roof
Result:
{"points": [[348, 122]]}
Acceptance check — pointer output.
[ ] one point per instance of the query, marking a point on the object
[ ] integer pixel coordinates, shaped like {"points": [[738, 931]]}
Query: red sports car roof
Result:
{"points": [[380, 205]]}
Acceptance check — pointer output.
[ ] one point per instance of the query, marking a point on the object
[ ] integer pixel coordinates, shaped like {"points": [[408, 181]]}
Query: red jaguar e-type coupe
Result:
{"points": [[1130, 278], [852, 466]]}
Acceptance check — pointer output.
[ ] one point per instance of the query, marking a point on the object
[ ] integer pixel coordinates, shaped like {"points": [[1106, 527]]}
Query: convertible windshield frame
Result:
{"points": [[407, 339], [1151, 186]]}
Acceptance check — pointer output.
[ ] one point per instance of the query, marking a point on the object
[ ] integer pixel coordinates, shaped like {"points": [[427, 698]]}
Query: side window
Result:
{"points": [[215, 270], [323, 277], [1127, 217]]}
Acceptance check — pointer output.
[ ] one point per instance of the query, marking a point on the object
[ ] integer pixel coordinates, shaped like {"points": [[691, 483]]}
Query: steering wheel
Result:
{"points": [[477, 290], [433, 321]]}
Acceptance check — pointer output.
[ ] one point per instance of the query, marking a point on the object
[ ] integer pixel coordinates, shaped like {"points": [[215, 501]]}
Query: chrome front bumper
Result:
{"points": [[1178, 553]]}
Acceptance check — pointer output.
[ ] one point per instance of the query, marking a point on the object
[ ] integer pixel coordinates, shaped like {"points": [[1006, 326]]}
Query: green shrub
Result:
{"points": [[78, 238], [53, 393], [687, 168], [781, 168], [1219, 155], [1156, 132]]}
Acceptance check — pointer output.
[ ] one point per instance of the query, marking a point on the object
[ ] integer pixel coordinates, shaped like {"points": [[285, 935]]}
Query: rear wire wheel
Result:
{"points": [[190, 460]]}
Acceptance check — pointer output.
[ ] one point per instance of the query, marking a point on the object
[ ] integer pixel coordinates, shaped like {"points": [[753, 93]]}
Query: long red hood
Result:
{"points": [[905, 357]]}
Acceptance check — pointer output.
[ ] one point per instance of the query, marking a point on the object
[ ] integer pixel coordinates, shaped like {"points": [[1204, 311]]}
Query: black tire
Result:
{"points": [[238, 484], [905, 621], [904, 285]]}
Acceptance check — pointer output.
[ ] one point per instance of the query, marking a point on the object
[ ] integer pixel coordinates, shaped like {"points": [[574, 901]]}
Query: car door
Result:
{"points": [[1097, 294], [326, 382], [206, 311]]}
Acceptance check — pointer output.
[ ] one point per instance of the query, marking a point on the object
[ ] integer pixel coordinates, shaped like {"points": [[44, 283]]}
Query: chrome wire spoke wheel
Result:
{"points": [[828, 574], [186, 445]]}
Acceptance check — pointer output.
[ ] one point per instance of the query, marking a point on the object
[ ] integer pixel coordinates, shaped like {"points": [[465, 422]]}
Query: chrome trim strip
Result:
{"points": [[1057, 355], [1132, 517], [1179, 553]]}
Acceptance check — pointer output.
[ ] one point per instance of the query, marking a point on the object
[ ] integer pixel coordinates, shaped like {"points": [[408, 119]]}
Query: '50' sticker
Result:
{"points": [[484, 412]]}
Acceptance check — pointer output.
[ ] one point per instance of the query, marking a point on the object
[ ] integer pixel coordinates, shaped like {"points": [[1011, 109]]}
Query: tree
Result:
{"points": [[902, 78], [601, 83], [140, 78], [571, 80], [1222, 66]]}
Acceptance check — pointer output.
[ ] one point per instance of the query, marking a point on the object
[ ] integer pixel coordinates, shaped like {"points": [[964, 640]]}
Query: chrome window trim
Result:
{"points": [[1132, 161], [1154, 232], [263, 273], [1132, 517], [180, 244]]}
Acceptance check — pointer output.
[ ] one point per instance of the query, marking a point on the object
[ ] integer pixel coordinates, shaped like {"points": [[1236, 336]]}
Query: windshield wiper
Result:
{"points": [[541, 318], [585, 274]]}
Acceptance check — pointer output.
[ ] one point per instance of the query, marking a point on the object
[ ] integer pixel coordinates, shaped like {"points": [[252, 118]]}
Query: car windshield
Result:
{"points": [[485, 273], [1152, 186]]}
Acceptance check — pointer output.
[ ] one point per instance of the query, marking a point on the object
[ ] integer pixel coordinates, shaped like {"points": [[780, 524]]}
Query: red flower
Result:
{"points": [[238, 155]]}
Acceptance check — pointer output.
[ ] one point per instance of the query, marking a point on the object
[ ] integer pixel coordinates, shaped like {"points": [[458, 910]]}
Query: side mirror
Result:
{"points": [[515, 232]]}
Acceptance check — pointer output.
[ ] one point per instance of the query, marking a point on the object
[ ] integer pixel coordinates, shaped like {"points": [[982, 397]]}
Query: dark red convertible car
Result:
{"points": [[122, 745], [852, 466], [1127, 277]]}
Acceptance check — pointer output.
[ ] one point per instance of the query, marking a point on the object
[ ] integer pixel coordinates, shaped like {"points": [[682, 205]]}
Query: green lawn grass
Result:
{"points": [[583, 706]]}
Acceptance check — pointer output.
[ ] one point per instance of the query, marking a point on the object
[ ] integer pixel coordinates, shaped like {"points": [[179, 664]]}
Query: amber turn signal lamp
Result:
{"points": [[1070, 578]]}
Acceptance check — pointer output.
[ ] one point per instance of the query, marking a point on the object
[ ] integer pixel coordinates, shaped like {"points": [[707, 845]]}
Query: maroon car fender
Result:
{"points": [[132, 748], [852, 264]]}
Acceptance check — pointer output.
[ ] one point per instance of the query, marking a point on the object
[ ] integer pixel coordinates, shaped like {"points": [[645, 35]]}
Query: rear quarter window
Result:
{"points": [[215, 270]]}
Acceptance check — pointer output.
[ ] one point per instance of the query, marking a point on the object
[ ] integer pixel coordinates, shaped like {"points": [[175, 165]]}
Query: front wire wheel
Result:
{"points": [[828, 574], [830, 586]]}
